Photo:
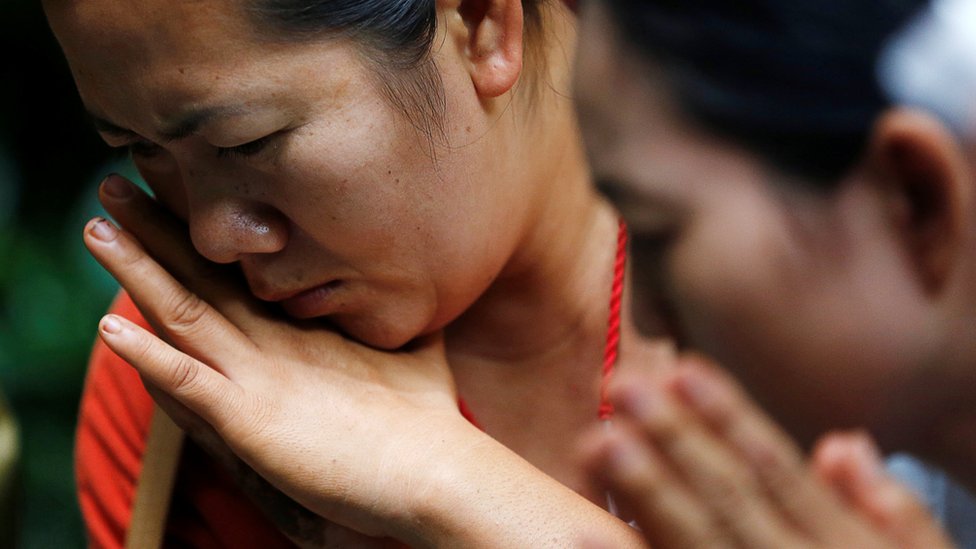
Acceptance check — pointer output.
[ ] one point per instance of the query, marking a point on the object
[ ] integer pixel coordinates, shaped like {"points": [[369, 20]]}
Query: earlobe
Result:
{"points": [[494, 44], [929, 184]]}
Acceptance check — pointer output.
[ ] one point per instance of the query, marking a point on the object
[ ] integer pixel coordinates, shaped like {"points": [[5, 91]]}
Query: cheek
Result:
{"points": [[742, 298], [725, 276], [719, 310], [814, 337]]}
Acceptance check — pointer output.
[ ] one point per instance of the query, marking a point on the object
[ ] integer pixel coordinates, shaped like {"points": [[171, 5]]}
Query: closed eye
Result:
{"points": [[144, 149]]}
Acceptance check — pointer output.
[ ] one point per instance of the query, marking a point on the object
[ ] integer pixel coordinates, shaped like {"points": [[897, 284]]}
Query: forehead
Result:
{"points": [[143, 44], [146, 29], [622, 100], [139, 63]]}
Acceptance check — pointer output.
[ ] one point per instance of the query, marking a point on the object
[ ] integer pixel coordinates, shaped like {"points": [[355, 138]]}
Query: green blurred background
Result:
{"points": [[51, 292]]}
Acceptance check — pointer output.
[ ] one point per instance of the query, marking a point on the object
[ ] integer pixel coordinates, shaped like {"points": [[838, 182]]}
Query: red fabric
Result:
{"points": [[208, 511]]}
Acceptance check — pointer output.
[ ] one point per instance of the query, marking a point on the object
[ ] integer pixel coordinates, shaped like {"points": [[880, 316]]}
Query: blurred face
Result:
{"points": [[288, 158], [804, 293]]}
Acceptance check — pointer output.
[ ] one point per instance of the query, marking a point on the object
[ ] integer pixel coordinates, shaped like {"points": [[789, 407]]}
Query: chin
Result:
{"points": [[378, 333]]}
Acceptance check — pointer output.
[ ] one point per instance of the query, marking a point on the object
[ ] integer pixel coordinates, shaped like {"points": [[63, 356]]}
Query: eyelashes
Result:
{"points": [[246, 150], [144, 149], [148, 149]]}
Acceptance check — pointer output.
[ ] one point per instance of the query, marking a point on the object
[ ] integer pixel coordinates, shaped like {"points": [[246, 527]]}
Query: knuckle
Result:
{"points": [[184, 374], [732, 494], [185, 312], [667, 427]]}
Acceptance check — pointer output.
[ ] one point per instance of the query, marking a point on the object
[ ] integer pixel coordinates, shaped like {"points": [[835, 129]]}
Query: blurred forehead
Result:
{"points": [[621, 96]]}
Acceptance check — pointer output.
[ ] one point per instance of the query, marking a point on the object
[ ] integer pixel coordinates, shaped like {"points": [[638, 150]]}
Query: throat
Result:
{"points": [[555, 292], [529, 360], [538, 408]]}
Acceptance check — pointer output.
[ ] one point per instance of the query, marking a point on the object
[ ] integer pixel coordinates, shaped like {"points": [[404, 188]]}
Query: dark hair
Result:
{"points": [[396, 36], [794, 80]]}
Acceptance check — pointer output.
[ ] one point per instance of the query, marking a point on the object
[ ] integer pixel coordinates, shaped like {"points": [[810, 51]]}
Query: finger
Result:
{"points": [[668, 514], [774, 458], [658, 355], [166, 239], [179, 315], [714, 473], [191, 423], [851, 464], [203, 390]]}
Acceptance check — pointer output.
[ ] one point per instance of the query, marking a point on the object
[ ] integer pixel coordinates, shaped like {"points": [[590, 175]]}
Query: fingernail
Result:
{"points": [[110, 324], [103, 230], [117, 187]]}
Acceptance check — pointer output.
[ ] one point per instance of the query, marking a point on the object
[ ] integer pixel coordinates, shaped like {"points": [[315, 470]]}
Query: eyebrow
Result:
{"points": [[184, 126]]}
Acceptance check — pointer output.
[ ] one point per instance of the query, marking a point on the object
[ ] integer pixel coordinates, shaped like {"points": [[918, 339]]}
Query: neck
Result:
{"points": [[554, 291], [526, 356]]}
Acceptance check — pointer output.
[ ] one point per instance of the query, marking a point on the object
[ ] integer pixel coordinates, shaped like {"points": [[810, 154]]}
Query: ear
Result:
{"points": [[929, 183], [493, 44]]}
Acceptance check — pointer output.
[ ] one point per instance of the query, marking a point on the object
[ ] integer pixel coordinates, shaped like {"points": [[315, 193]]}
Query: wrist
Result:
{"points": [[433, 484]]}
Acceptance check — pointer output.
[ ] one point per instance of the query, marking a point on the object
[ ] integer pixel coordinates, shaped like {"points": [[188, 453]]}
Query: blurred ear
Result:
{"points": [[929, 182], [492, 43]]}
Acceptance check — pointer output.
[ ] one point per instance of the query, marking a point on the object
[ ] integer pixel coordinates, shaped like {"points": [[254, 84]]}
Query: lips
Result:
{"points": [[314, 302]]}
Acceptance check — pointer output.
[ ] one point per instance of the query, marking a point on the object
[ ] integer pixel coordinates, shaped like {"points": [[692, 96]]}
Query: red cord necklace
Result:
{"points": [[613, 325], [610, 350]]}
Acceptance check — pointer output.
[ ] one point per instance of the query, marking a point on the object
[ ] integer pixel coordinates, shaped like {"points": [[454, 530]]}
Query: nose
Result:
{"points": [[226, 229]]}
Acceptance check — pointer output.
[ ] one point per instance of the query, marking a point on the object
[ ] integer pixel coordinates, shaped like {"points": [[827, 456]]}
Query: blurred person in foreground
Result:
{"points": [[800, 180]]}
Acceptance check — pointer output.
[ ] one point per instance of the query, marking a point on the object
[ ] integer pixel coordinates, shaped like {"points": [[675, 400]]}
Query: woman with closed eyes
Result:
{"points": [[335, 179]]}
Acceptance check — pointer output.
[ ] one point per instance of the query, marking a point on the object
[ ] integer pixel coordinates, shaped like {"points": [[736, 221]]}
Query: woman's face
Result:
{"points": [[289, 159], [804, 294]]}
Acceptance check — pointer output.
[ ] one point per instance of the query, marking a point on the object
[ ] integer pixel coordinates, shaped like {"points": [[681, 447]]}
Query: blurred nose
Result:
{"points": [[225, 229]]}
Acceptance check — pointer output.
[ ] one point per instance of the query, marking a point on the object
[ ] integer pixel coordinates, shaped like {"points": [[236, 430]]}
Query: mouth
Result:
{"points": [[313, 302]]}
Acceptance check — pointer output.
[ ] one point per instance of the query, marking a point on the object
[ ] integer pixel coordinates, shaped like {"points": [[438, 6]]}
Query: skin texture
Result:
{"points": [[498, 239], [834, 309], [344, 191]]}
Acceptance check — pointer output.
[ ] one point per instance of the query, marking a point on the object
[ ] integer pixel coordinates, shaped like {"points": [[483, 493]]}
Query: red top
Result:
{"points": [[207, 510]]}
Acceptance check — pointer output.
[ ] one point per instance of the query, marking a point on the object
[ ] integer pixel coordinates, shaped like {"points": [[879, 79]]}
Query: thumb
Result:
{"points": [[851, 465]]}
